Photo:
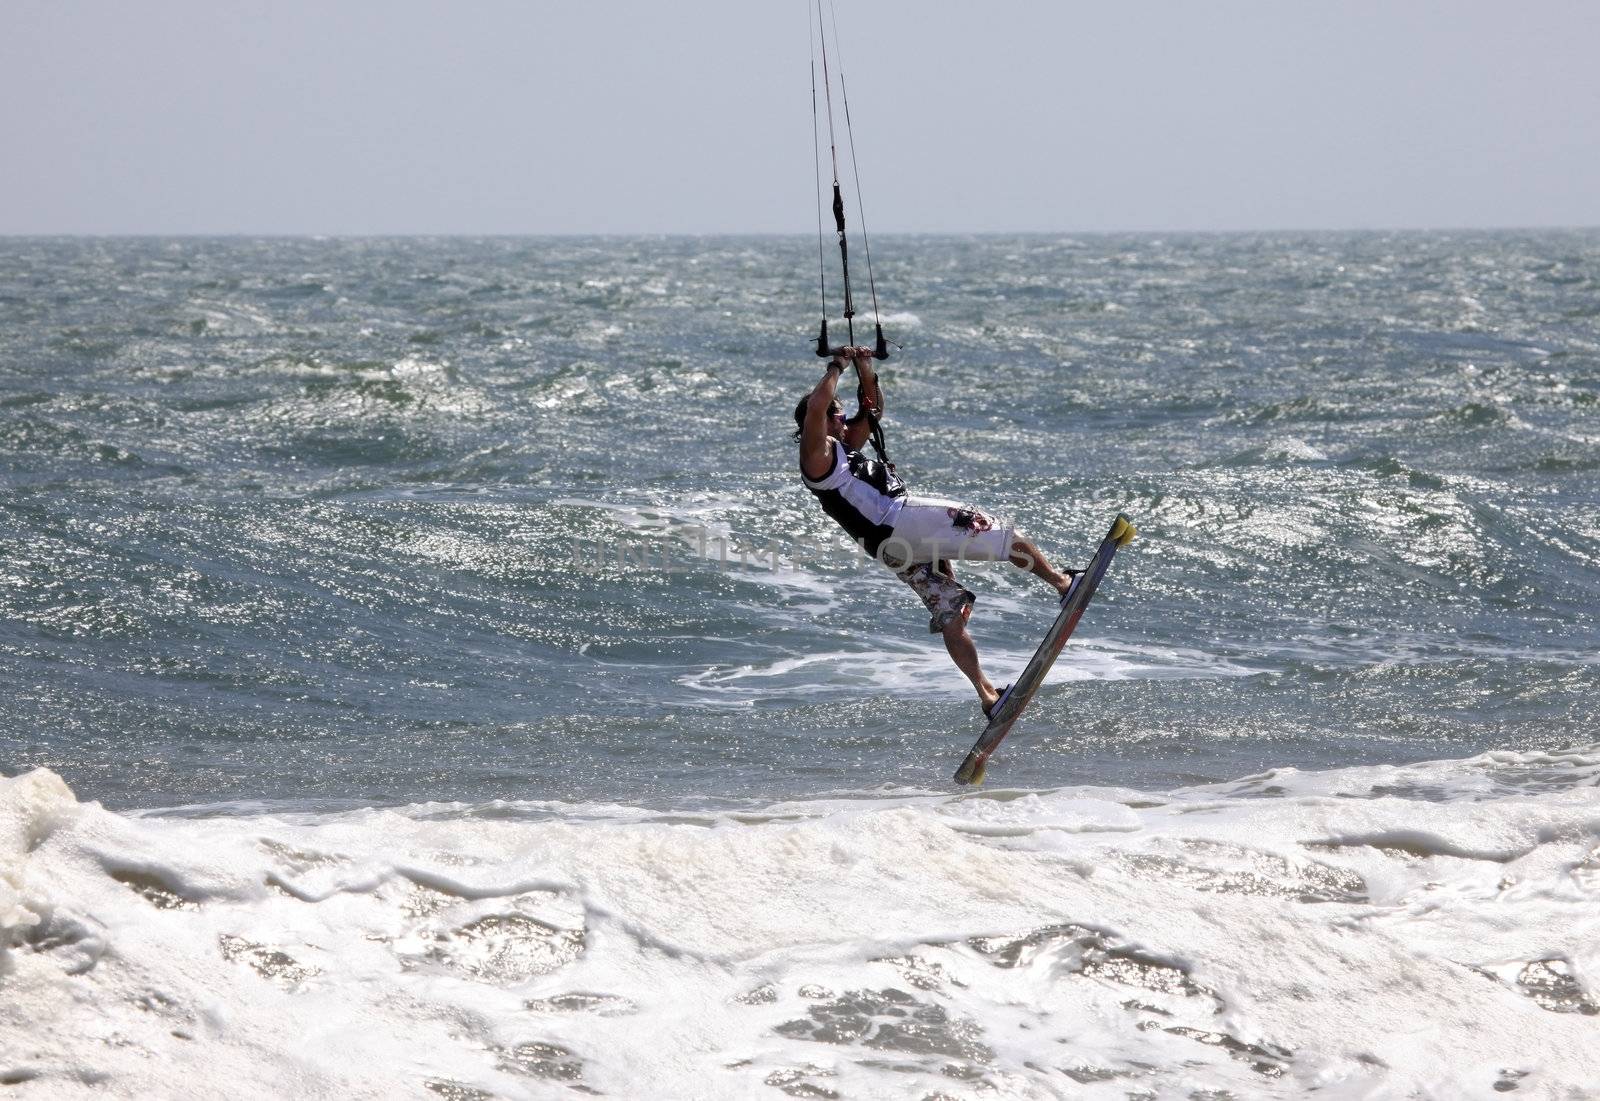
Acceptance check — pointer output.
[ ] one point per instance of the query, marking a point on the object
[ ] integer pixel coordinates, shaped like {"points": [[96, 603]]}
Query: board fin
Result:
{"points": [[971, 770]]}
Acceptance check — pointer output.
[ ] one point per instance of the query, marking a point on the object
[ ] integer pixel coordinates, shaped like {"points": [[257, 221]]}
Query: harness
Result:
{"points": [[862, 498]]}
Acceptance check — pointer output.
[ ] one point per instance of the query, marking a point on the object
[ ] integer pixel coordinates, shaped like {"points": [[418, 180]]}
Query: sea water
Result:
{"points": [[425, 675]]}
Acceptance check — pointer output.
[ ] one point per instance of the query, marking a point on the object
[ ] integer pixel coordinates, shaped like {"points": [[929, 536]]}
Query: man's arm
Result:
{"points": [[869, 379], [870, 396], [816, 454]]}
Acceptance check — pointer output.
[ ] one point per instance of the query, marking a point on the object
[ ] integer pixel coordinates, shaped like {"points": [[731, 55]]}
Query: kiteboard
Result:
{"points": [[1005, 715]]}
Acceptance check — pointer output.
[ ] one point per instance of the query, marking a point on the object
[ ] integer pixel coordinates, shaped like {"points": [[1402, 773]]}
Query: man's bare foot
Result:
{"points": [[988, 696], [1067, 579]]}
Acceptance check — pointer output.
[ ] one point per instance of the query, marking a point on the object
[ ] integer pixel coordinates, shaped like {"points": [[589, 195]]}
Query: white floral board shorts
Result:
{"points": [[928, 534], [928, 529]]}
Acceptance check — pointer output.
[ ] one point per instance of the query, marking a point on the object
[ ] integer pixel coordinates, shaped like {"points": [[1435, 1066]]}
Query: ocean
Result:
{"points": [[425, 675]]}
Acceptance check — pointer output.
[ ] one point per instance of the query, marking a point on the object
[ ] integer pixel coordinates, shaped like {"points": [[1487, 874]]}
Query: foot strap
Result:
{"points": [[988, 712]]}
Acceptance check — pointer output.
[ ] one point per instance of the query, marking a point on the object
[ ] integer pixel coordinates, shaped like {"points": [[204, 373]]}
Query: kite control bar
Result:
{"points": [[880, 351]]}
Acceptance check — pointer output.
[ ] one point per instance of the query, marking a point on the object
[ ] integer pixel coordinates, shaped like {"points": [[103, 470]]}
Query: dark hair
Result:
{"points": [[800, 413]]}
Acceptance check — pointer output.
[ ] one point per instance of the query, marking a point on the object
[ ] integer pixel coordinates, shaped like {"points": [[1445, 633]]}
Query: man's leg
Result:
{"points": [[1025, 555], [950, 606], [965, 654]]}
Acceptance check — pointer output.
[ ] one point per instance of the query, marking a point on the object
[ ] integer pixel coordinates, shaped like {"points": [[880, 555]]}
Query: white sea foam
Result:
{"points": [[904, 669], [1423, 931]]}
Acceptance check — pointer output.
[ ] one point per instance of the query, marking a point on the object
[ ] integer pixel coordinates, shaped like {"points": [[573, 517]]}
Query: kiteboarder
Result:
{"points": [[917, 537]]}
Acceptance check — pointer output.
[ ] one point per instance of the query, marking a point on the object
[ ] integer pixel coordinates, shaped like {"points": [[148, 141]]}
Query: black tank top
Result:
{"points": [[862, 495]]}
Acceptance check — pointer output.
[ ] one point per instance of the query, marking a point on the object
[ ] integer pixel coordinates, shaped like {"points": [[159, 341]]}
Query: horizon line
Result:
{"points": [[776, 234]]}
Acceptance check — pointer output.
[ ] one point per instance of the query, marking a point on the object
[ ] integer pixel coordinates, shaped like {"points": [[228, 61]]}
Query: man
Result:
{"points": [[917, 537]]}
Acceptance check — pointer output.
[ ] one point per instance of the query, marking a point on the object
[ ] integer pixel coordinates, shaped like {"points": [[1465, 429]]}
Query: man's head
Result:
{"points": [[836, 419]]}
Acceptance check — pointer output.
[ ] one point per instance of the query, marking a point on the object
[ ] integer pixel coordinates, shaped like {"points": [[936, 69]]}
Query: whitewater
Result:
{"points": [[1422, 931]]}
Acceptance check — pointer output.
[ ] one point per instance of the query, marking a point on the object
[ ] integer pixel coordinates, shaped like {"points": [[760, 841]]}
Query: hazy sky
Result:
{"points": [[182, 116]]}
